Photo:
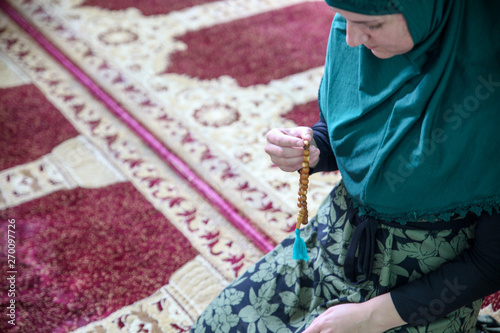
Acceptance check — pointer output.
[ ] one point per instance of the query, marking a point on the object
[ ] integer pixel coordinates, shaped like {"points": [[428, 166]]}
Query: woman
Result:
{"points": [[409, 240]]}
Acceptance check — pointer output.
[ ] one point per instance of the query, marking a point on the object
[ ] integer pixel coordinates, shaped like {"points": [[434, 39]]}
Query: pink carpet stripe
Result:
{"points": [[222, 205]]}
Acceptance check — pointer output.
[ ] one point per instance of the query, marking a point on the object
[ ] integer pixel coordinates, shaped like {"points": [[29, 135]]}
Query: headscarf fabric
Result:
{"points": [[417, 136]]}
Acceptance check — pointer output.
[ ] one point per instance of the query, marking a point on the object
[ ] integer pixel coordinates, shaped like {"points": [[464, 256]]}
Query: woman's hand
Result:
{"points": [[374, 316], [285, 147]]}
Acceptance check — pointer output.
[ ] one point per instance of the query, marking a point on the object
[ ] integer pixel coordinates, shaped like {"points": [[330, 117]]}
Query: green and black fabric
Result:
{"points": [[282, 295], [416, 136]]}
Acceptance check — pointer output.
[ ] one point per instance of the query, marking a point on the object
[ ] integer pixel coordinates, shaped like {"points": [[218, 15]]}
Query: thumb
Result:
{"points": [[306, 134]]}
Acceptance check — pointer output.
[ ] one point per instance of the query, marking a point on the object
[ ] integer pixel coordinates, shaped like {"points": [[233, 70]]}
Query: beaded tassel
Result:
{"points": [[299, 247]]}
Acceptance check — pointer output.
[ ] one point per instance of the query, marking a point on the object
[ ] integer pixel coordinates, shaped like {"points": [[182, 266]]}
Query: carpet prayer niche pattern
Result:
{"points": [[109, 236]]}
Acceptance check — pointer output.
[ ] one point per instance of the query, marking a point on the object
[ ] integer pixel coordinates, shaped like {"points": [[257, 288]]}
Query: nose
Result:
{"points": [[354, 35]]}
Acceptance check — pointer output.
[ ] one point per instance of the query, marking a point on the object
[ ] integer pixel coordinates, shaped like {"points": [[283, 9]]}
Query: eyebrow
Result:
{"points": [[366, 22]]}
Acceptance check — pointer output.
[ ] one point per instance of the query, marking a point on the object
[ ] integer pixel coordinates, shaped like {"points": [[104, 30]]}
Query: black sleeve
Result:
{"points": [[327, 161], [474, 274]]}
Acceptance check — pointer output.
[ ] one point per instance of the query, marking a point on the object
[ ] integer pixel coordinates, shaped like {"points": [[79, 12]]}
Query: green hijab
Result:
{"points": [[417, 136]]}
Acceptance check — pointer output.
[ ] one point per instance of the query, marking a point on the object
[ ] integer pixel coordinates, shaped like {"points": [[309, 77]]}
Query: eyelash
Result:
{"points": [[373, 27]]}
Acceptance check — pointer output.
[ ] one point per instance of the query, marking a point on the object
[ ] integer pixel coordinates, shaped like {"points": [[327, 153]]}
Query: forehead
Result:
{"points": [[359, 18], [369, 7], [353, 16]]}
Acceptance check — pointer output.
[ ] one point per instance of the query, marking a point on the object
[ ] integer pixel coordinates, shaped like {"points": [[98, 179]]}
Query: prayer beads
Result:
{"points": [[302, 217]]}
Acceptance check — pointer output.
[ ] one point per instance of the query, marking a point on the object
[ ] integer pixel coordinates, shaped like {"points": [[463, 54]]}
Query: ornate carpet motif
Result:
{"points": [[60, 173], [216, 125], [132, 139]]}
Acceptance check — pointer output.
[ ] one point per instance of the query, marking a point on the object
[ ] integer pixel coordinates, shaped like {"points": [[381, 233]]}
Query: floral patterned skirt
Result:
{"points": [[279, 294]]}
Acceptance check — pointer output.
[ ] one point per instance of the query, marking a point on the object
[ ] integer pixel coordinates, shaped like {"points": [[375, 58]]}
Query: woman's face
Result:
{"points": [[385, 35]]}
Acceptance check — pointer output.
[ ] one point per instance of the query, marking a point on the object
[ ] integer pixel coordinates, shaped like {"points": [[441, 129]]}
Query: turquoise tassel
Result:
{"points": [[299, 247]]}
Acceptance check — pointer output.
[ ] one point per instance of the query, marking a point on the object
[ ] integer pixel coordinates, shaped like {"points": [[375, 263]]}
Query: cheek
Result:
{"points": [[392, 45], [405, 38], [400, 43], [406, 43]]}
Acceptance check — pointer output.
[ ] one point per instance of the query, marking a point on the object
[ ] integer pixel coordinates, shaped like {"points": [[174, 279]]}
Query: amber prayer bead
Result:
{"points": [[302, 217]]}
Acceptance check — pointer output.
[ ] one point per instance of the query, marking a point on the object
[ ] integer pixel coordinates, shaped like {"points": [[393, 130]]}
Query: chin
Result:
{"points": [[383, 55]]}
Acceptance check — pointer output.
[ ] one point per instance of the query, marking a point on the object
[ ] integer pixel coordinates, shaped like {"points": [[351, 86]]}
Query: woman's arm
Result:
{"points": [[474, 274], [327, 160], [374, 316]]}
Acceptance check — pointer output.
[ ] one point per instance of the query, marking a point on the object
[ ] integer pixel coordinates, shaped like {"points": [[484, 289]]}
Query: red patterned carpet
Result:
{"points": [[268, 44], [132, 164], [27, 136]]}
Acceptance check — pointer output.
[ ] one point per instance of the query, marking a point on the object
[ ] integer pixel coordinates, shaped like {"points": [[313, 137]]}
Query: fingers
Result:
{"points": [[287, 164], [283, 137], [285, 147], [314, 154], [288, 160]]}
